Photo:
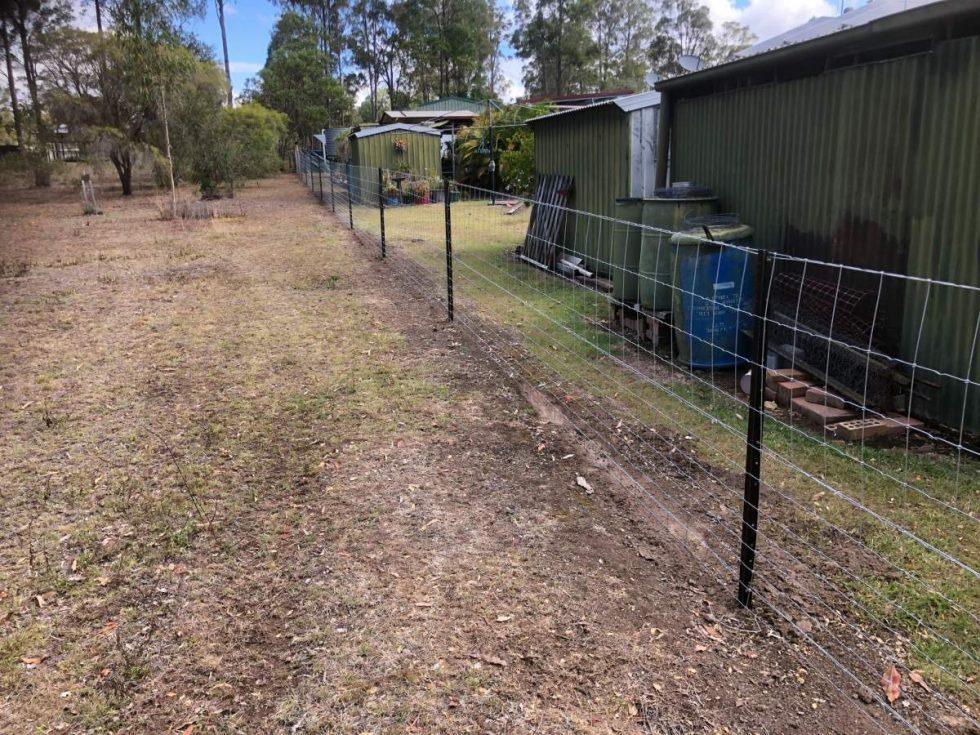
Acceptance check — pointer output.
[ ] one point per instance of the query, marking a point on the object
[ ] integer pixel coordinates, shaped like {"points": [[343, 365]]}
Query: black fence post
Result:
{"points": [[381, 208], [333, 208], [753, 445], [319, 175], [350, 205], [446, 197]]}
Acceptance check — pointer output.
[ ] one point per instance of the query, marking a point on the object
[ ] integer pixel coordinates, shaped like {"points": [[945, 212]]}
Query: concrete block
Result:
{"points": [[858, 429]]}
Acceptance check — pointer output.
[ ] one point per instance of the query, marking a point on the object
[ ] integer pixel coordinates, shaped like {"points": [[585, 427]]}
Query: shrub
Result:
{"points": [[242, 143]]}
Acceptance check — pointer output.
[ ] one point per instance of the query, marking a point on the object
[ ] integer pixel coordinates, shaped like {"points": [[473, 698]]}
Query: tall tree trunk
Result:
{"points": [[224, 47], [98, 17], [42, 173], [170, 158], [559, 80], [11, 84]]}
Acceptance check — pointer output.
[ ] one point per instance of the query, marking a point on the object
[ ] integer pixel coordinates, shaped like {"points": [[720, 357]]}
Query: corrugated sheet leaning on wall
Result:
{"points": [[874, 166], [421, 155]]}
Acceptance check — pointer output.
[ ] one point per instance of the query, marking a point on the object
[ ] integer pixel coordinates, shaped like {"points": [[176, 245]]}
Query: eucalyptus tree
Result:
{"points": [[30, 20], [294, 80], [8, 56]]}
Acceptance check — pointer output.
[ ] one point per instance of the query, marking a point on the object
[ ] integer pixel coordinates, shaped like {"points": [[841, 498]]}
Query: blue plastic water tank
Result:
{"points": [[714, 289]]}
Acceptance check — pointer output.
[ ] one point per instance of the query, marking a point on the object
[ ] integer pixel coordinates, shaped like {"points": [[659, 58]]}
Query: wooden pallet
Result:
{"points": [[646, 327]]}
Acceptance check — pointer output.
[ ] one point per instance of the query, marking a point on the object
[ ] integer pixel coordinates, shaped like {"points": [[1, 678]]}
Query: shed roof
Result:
{"points": [[451, 102], [875, 25], [428, 115], [582, 99], [626, 103], [827, 25], [380, 129]]}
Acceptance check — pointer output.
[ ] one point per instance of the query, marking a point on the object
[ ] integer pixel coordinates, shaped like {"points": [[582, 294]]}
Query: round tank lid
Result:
{"points": [[683, 191]]}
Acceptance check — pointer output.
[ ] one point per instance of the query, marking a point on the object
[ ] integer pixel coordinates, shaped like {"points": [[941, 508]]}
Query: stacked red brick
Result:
{"points": [[798, 393]]}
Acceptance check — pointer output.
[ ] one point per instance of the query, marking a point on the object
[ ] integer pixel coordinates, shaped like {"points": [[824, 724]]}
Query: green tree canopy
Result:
{"points": [[295, 81]]}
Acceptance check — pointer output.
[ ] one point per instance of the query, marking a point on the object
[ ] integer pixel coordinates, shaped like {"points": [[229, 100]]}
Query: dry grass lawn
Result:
{"points": [[251, 483]]}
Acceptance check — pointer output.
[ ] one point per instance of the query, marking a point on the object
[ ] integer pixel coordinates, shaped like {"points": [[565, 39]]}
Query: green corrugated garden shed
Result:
{"points": [[378, 147], [609, 150], [857, 141]]}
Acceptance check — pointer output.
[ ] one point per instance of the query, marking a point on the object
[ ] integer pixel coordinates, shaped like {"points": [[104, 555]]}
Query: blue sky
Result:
{"points": [[250, 22]]}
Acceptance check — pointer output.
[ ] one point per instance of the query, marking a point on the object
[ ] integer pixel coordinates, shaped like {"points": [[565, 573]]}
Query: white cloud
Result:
{"points": [[512, 76], [244, 67], [767, 18]]}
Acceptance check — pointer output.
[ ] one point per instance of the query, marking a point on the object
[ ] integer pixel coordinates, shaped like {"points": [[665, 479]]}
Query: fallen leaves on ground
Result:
{"points": [[891, 683]]}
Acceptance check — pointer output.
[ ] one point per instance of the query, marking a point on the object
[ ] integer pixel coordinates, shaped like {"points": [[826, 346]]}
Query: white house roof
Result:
{"points": [[828, 25], [430, 114], [379, 129], [626, 103]]}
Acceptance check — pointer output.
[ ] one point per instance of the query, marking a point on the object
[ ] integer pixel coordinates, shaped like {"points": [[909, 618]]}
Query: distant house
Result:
{"points": [[396, 147], [853, 140]]}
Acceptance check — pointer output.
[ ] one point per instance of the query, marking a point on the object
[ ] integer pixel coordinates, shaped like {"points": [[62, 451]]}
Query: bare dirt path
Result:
{"points": [[249, 484]]}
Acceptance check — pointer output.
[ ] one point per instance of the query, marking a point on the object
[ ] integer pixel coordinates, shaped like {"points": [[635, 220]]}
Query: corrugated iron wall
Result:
{"points": [[593, 148], [378, 151], [875, 166]]}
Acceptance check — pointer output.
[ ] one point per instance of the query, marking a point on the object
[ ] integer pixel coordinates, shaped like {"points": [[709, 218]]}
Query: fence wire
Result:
{"points": [[867, 547]]}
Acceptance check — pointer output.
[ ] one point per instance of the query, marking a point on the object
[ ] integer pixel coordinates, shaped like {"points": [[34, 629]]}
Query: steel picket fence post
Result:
{"points": [[381, 208], [753, 444], [350, 206], [333, 207], [449, 246]]}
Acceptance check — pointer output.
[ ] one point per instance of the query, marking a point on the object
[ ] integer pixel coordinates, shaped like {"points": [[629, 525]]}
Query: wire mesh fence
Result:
{"points": [[777, 413]]}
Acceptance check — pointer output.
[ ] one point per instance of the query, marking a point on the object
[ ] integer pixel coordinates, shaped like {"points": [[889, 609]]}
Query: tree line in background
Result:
{"points": [[402, 52], [138, 91], [578, 46], [140, 87]]}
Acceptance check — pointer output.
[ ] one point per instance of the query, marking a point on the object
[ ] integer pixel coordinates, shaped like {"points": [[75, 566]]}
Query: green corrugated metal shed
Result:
{"points": [[452, 102], [874, 164], [608, 149], [375, 148]]}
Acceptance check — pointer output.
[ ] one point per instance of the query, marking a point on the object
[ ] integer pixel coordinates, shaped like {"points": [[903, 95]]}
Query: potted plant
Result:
{"points": [[391, 193], [436, 193], [389, 189], [420, 188]]}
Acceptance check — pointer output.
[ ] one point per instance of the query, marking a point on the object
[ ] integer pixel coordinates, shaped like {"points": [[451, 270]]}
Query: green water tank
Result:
{"points": [[668, 210], [624, 251]]}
